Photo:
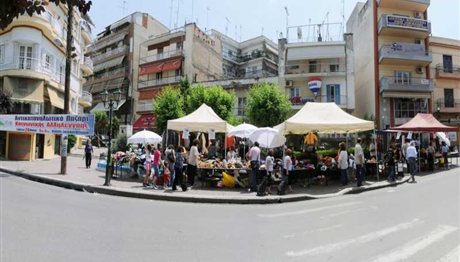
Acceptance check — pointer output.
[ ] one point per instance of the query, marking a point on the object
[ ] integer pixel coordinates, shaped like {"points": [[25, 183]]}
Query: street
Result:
{"points": [[411, 222]]}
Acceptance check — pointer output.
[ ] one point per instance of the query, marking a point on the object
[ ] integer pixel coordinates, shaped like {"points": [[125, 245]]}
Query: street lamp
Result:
{"points": [[110, 101]]}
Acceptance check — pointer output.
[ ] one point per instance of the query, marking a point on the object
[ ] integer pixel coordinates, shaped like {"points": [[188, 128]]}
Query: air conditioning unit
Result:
{"points": [[419, 70], [289, 83], [418, 15]]}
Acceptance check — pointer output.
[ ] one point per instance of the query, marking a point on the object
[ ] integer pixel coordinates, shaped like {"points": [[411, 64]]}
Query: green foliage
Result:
{"points": [[184, 86], [115, 125], [121, 143], [168, 105], [71, 140], [215, 97], [102, 123], [10, 9], [6, 105], [266, 105], [327, 152]]}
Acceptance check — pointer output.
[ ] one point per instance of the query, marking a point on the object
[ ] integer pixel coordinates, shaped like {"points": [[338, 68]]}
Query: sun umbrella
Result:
{"points": [[242, 130], [145, 137], [267, 137]]}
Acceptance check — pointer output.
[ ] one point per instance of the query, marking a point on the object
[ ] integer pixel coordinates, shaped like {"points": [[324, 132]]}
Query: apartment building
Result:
{"points": [[392, 60], [186, 52], [317, 68], [32, 66], [115, 54], [445, 71]]}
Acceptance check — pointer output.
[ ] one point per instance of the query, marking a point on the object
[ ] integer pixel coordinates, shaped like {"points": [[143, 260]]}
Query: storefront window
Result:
{"points": [[408, 108]]}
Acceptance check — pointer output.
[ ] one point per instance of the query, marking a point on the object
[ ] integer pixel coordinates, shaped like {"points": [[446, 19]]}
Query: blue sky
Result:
{"points": [[252, 17]]}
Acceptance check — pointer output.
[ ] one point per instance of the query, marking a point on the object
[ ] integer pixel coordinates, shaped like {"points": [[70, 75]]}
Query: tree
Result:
{"points": [[10, 9], [6, 105], [168, 105], [102, 123], [266, 105], [216, 97]]}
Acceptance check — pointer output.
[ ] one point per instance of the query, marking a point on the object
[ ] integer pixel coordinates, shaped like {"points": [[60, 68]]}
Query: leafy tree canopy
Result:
{"points": [[266, 105], [6, 105], [168, 105], [216, 97], [11, 9]]}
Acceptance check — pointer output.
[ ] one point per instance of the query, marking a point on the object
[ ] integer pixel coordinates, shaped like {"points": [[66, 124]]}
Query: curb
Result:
{"points": [[191, 199]]}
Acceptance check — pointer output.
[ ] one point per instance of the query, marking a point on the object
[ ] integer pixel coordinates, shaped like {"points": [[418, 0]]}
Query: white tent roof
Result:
{"points": [[323, 118], [201, 120]]}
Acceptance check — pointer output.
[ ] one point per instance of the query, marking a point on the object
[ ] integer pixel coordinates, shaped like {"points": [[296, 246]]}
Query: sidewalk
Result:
{"points": [[92, 180]]}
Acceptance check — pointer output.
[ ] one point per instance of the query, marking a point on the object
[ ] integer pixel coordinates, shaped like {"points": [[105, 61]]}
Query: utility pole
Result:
{"points": [[68, 64]]}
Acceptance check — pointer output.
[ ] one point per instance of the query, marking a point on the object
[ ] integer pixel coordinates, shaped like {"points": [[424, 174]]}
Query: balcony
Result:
{"points": [[85, 30], [116, 73], [161, 56], [395, 25], [448, 72], [307, 70], [108, 40], [404, 54], [144, 106], [413, 5], [445, 105], [297, 102], [86, 99], [32, 65], [394, 86], [159, 82], [111, 54], [87, 66]]}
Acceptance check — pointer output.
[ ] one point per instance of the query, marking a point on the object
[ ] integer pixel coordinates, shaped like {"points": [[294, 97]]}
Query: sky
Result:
{"points": [[245, 19]]}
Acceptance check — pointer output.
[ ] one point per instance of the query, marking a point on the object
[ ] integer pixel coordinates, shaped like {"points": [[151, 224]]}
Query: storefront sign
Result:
{"points": [[53, 124], [407, 22]]}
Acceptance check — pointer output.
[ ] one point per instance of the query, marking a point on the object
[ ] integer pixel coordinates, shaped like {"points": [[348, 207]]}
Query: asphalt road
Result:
{"points": [[411, 222]]}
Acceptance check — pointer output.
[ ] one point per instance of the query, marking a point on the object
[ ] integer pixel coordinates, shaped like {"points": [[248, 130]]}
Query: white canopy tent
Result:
{"points": [[201, 120], [323, 118]]}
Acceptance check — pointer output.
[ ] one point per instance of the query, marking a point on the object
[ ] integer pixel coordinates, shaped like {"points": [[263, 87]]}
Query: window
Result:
{"points": [[159, 76], [48, 62], [230, 53], [2, 53], [312, 67], [254, 69], [25, 57], [333, 93], [179, 45], [178, 72], [334, 68], [160, 52], [401, 77], [448, 97], [294, 92], [447, 63], [241, 105], [409, 107]]}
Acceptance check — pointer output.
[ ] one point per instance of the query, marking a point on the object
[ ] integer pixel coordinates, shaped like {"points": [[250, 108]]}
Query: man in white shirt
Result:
{"points": [[254, 157], [411, 155], [359, 161], [193, 158]]}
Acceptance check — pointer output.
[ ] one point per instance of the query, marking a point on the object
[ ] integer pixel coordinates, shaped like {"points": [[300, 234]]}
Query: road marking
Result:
{"points": [[408, 250], [452, 256], [306, 211], [316, 230], [348, 211], [358, 240]]}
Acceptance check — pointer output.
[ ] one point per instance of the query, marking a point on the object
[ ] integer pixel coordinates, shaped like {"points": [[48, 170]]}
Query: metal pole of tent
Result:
{"points": [[418, 151], [376, 156]]}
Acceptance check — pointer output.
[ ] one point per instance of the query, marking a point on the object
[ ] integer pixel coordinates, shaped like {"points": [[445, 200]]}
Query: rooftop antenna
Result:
{"points": [[207, 18], [226, 25], [193, 5], [309, 29], [236, 33], [171, 13], [262, 29], [241, 31], [343, 17], [123, 7], [287, 21], [177, 14]]}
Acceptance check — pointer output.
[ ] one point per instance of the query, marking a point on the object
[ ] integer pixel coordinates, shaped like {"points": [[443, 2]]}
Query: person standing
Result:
{"points": [[411, 155], [147, 165], [445, 154], [343, 163], [404, 151], [178, 169], [156, 165], [171, 158], [287, 166], [88, 153], [359, 161], [390, 163], [193, 158], [430, 157], [254, 157]]}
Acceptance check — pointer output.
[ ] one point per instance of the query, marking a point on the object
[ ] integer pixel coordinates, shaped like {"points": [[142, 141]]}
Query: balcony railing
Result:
{"points": [[315, 68], [405, 84], [160, 56], [86, 97], [157, 82], [108, 40], [445, 104], [104, 76], [113, 52], [299, 101], [85, 26], [33, 64], [404, 22], [405, 51], [443, 71]]}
